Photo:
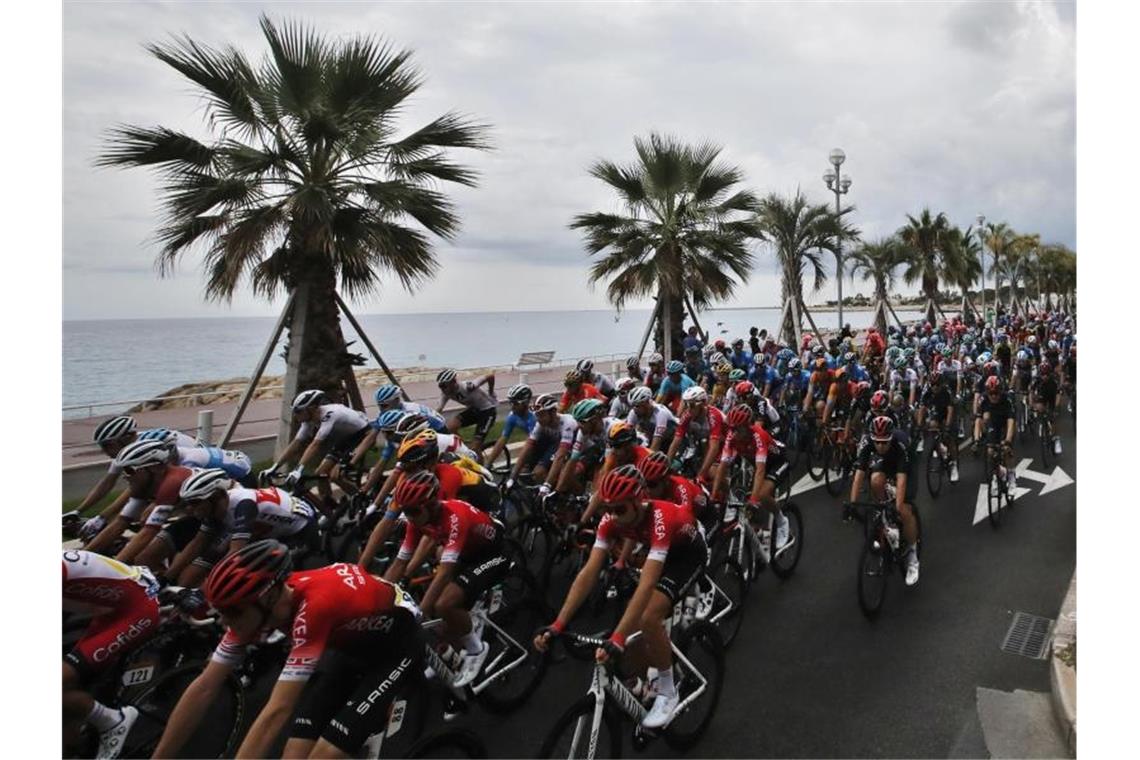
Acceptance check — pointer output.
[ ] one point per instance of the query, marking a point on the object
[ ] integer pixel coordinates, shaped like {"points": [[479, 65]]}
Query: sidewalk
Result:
{"points": [[1063, 666]]}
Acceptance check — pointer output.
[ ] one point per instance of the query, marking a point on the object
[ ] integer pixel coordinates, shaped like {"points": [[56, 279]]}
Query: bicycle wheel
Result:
{"points": [[935, 465], [703, 647], [994, 489], [784, 564], [1045, 441], [223, 716], [536, 543], [833, 470], [519, 621], [792, 447], [872, 586], [456, 742], [559, 571], [725, 604], [571, 737], [816, 462]]}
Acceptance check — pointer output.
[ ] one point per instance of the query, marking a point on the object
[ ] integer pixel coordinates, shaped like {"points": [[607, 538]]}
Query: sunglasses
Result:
{"points": [[128, 471]]}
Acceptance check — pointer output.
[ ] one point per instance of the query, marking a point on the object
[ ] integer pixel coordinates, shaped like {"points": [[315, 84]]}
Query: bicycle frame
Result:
{"points": [[493, 670]]}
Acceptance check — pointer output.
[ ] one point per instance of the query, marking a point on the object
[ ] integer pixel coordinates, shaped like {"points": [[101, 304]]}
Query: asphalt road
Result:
{"points": [[809, 676]]}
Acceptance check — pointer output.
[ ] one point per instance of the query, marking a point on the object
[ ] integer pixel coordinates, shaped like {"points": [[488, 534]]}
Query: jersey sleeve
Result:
{"points": [[662, 536], [455, 537], [567, 434], [761, 445], [716, 425], [328, 419], [305, 431], [230, 651], [683, 426], [605, 530], [411, 539], [245, 515], [312, 626]]}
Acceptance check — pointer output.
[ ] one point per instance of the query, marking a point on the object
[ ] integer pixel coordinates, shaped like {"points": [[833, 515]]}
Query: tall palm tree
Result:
{"points": [[1058, 272], [800, 232], [968, 264], [680, 232], [878, 261], [1001, 240], [931, 254], [303, 183]]}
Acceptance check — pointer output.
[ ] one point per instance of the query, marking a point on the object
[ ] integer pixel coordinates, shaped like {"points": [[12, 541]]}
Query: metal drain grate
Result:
{"points": [[1028, 636]]}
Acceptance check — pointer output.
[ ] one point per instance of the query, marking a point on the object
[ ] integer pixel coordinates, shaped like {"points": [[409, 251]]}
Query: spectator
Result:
{"points": [[692, 340], [755, 340]]}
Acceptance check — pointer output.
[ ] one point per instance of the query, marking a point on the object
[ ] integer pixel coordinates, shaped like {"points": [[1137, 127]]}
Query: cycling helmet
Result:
{"points": [[984, 357], [386, 421], [169, 437], [739, 416], [654, 467], [693, 351], [305, 399], [625, 384], [882, 428], [418, 448], [821, 365], [993, 384], [622, 484], [1023, 356], [520, 394], [760, 359], [723, 367], [445, 376], [621, 433], [586, 409], [849, 357], [1044, 368], [897, 401], [716, 357], [573, 377], [900, 363], [143, 454], [632, 362], [817, 350], [878, 401], [585, 366], [736, 375], [991, 367], [674, 368], [1031, 340], [656, 358], [246, 575], [793, 364], [909, 354], [1052, 345], [862, 389], [547, 402], [694, 395], [416, 489], [386, 393], [203, 483], [410, 424], [116, 427], [640, 395], [744, 388]]}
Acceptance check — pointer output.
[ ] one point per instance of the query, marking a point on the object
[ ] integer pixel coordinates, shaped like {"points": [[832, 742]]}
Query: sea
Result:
{"points": [[134, 359]]}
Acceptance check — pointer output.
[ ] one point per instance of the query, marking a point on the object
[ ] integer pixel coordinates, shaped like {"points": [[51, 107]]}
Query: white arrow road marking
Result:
{"points": [[1055, 480], [982, 508], [805, 484]]}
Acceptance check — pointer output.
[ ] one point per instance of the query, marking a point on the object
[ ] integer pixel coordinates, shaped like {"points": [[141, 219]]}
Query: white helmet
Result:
{"points": [[305, 399], [409, 425], [585, 366], [143, 454], [445, 376], [656, 359], [116, 427], [694, 394], [547, 402], [625, 384], [640, 394], [203, 483]]}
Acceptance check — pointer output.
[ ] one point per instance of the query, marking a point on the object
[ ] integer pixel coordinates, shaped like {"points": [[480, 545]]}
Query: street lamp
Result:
{"points": [[981, 220], [838, 184]]}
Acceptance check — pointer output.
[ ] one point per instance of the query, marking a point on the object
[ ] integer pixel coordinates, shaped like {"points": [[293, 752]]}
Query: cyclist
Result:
{"points": [[123, 600], [479, 406], [819, 385], [619, 404], [1045, 394], [624, 446], [1003, 353], [938, 401], [231, 516], [399, 428], [722, 384], [677, 555], [656, 372], [355, 648], [633, 369], [839, 396], [748, 438], [886, 459], [576, 390], [661, 483], [329, 433], [903, 380], [520, 418], [796, 383], [588, 448], [676, 382], [548, 442], [702, 427], [995, 414], [472, 561], [389, 398], [696, 369], [604, 383], [650, 418]]}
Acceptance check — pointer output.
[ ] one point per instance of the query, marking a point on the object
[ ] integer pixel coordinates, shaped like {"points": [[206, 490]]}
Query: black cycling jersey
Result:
{"points": [[940, 398], [895, 460], [1000, 412], [1045, 388]]}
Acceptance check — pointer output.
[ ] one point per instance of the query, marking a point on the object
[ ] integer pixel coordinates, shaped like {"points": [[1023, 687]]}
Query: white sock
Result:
{"points": [[471, 643], [665, 683], [104, 718]]}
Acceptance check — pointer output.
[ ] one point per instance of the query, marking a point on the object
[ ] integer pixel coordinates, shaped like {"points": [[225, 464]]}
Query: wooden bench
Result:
{"points": [[534, 358]]}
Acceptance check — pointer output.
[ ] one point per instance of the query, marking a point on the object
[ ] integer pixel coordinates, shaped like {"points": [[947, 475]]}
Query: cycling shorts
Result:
{"points": [[683, 566], [776, 468], [113, 634], [482, 420], [347, 698], [178, 533], [343, 449], [476, 577], [308, 537]]}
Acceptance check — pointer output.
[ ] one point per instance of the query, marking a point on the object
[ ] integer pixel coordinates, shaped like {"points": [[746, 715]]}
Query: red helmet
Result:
{"points": [[1044, 368], [993, 384], [882, 428], [621, 484], [990, 368], [744, 388], [654, 467], [244, 576], [739, 416], [879, 401], [416, 489], [862, 388]]}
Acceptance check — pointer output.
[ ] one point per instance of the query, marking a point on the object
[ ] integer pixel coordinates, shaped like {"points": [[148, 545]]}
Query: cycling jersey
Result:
{"points": [[620, 407], [896, 460], [452, 444], [603, 383], [902, 382], [515, 422], [1045, 389], [468, 395], [709, 427], [235, 463], [1000, 412], [821, 383], [740, 359], [339, 607], [585, 391], [755, 443], [940, 399], [686, 493], [797, 382], [561, 434], [256, 514], [182, 441], [464, 533], [857, 373], [696, 372], [670, 390], [652, 379], [665, 526], [435, 420], [840, 393], [337, 424], [658, 424], [164, 496]]}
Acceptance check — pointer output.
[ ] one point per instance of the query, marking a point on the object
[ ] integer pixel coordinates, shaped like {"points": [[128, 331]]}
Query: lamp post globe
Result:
{"points": [[837, 156], [981, 220], [838, 183]]}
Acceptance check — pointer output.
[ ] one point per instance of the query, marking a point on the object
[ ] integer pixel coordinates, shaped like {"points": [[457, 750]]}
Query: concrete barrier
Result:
{"points": [[1063, 671]]}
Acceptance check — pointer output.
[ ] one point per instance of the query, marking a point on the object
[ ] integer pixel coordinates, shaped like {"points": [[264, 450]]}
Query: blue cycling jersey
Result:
{"points": [[741, 359], [669, 389], [856, 373], [798, 381], [515, 422]]}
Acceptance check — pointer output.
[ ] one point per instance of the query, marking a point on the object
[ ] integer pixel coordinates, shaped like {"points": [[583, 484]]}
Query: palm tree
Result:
{"points": [[302, 184], [931, 253], [680, 233], [878, 261], [799, 233], [1001, 240], [1058, 272], [968, 262]]}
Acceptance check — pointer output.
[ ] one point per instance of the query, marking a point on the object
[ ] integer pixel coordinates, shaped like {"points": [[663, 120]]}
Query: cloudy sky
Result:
{"points": [[963, 107]]}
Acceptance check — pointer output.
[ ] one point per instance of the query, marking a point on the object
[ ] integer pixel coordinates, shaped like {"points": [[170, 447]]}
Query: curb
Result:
{"points": [[1063, 676]]}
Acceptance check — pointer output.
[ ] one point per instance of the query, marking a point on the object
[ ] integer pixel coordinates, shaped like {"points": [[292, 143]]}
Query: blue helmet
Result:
{"points": [[386, 421], [167, 436], [386, 393], [674, 367]]}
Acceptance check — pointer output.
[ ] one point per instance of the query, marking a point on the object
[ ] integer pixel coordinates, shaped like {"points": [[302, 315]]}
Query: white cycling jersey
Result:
{"points": [[470, 396], [337, 422], [181, 441], [603, 383], [451, 443], [660, 421], [254, 514], [565, 429], [620, 407]]}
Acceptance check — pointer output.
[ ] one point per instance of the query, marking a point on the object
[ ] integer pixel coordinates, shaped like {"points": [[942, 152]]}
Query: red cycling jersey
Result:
{"points": [[585, 391], [463, 531], [665, 525], [686, 493], [754, 443], [710, 428], [337, 607]]}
